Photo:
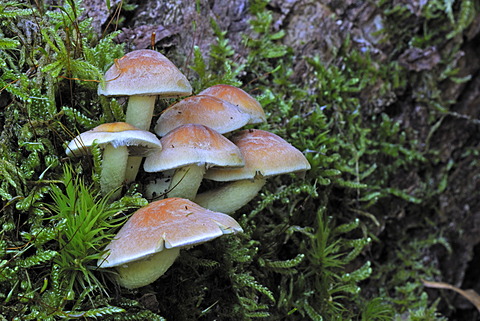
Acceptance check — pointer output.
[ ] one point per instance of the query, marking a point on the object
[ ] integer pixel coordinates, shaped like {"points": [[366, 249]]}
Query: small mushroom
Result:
{"points": [[212, 112], [192, 149], [265, 155], [148, 244], [143, 75], [239, 98], [118, 140]]}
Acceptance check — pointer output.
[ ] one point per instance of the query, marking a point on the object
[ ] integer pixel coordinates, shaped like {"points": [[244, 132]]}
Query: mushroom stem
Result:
{"points": [[139, 114], [140, 111], [133, 165], [230, 197], [186, 181], [140, 273], [158, 189], [114, 164]]}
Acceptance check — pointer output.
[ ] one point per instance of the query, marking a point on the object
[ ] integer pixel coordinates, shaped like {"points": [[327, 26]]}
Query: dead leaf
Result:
{"points": [[469, 294]]}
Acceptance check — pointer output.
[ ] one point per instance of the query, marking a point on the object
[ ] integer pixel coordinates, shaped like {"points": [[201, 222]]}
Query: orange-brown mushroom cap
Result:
{"points": [[204, 110], [239, 98], [165, 224], [265, 154], [144, 72], [193, 144]]}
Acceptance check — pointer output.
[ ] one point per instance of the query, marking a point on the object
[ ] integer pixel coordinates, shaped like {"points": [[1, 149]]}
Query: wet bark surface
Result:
{"points": [[318, 28]]}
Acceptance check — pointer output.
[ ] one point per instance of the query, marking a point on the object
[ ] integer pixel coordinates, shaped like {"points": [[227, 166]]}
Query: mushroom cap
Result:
{"points": [[144, 72], [165, 224], [239, 98], [140, 142], [193, 144], [265, 154], [210, 111]]}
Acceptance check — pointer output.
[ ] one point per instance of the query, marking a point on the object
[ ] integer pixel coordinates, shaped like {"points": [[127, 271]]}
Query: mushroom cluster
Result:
{"points": [[201, 138], [220, 109]]}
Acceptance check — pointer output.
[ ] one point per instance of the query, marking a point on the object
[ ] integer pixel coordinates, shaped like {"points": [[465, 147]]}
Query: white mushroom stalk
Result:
{"points": [[139, 114], [186, 181], [232, 196], [158, 188], [140, 111], [114, 164]]}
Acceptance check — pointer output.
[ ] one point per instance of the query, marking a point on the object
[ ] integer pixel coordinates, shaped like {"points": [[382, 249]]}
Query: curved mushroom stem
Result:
{"points": [[114, 163], [139, 114], [186, 181], [231, 197], [140, 273]]}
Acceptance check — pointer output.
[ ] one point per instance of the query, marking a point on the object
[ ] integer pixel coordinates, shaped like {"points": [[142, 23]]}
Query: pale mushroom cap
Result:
{"points": [[193, 144], [265, 154], [168, 223], [239, 98], [140, 142], [215, 113], [144, 72]]}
